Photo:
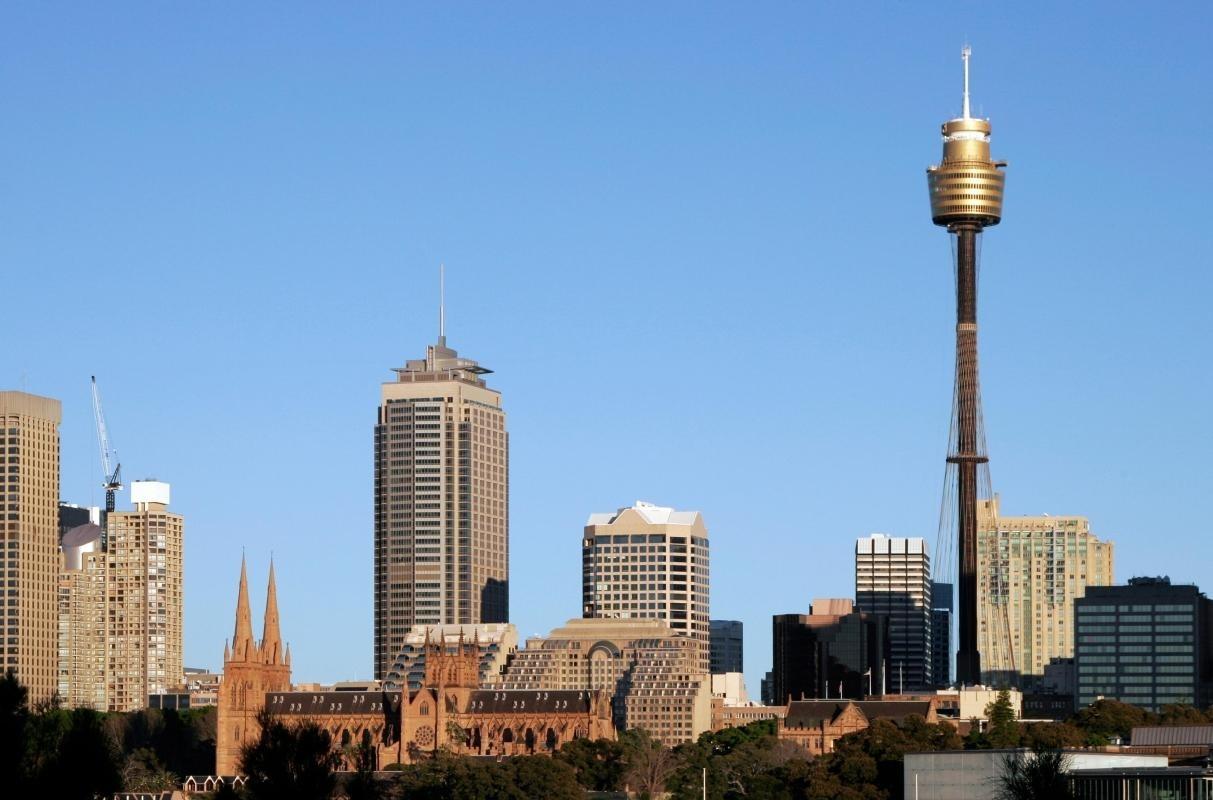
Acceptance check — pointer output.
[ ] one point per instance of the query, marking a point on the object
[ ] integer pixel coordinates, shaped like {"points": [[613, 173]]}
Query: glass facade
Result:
{"points": [[1141, 644]]}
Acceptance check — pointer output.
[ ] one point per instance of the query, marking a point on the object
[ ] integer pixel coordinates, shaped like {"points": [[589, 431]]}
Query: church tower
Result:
{"points": [[250, 670]]}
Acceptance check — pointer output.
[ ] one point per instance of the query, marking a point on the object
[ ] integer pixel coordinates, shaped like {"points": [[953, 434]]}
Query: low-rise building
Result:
{"points": [[973, 774], [814, 725]]}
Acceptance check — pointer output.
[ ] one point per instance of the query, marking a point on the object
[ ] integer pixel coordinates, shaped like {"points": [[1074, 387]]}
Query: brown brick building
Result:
{"points": [[815, 725]]}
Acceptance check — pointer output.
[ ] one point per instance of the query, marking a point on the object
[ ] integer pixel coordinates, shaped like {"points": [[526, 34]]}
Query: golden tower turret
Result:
{"points": [[966, 197], [967, 185]]}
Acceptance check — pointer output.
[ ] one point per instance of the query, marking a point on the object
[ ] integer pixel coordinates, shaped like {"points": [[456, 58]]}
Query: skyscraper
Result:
{"points": [[29, 540], [649, 562], [441, 500], [941, 634], [727, 646], [83, 619], [966, 197], [833, 651], [145, 593], [893, 579], [1032, 570]]}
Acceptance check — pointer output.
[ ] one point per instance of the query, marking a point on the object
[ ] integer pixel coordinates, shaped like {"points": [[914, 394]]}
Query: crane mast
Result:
{"points": [[113, 478]]}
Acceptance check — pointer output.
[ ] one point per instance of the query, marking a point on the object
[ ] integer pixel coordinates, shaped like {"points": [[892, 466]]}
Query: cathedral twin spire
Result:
{"points": [[244, 648]]}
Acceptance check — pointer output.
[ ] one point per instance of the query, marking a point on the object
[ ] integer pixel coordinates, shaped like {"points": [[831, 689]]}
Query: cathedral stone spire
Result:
{"points": [[271, 641], [242, 640]]}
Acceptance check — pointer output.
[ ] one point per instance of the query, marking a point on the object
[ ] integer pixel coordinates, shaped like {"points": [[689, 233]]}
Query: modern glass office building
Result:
{"points": [[1146, 643]]}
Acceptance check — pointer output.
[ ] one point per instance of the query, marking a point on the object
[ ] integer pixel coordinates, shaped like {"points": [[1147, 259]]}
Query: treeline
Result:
{"points": [[48, 751]]}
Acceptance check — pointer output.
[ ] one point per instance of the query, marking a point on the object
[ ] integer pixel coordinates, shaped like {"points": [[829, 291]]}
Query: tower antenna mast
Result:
{"points": [[965, 52], [442, 303]]}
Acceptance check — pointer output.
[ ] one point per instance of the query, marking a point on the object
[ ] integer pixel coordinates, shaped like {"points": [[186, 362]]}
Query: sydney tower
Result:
{"points": [[966, 197]]}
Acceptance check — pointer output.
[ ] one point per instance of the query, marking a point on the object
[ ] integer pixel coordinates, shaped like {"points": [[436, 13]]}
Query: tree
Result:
{"points": [[1104, 720], [143, 772], [85, 761], [1041, 775], [650, 764], [1052, 736], [597, 763], [362, 784], [289, 761], [14, 722], [540, 776], [1002, 729]]}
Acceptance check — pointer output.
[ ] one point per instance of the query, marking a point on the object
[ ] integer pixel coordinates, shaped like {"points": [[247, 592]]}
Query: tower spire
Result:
{"points": [[271, 637], [965, 53], [242, 639], [442, 304]]}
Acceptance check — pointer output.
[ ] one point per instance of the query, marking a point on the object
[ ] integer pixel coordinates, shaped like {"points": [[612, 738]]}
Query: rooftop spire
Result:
{"points": [[442, 304], [271, 641], [242, 639], [965, 53]]}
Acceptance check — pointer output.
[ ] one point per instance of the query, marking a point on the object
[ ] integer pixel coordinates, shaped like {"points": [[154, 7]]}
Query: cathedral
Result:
{"points": [[450, 712]]}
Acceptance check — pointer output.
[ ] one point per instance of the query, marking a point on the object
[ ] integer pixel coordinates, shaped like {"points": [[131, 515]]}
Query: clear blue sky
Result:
{"points": [[693, 242]]}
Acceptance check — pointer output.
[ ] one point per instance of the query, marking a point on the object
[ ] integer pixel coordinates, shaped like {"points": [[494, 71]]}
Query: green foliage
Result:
{"points": [[143, 772], [597, 763], [1036, 776], [1052, 736], [448, 777], [1105, 719], [362, 784], [1002, 729], [289, 761], [50, 752]]}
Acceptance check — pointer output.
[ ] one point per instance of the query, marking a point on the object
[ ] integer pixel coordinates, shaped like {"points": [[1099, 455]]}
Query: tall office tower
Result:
{"points": [[966, 197], [649, 562], [941, 634], [83, 618], [1148, 643], [727, 647], [833, 651], [893, 579], [144, 597], [1032, 570], [441, 500], [29, 540]]}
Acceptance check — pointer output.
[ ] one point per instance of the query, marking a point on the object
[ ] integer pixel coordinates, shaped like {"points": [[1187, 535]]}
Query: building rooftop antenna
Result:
{"points": [[965, 53], [442, 304]]}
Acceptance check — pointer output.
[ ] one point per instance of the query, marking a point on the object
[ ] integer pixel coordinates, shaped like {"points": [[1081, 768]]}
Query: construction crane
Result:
{"points": [[113, 480]]}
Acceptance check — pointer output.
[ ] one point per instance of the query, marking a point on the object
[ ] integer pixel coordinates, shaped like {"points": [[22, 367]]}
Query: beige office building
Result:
{"points": [[649, 562], [1030, 570], [144, 592], [654, 673], [83, 620], [441, 501], [29, 540]]}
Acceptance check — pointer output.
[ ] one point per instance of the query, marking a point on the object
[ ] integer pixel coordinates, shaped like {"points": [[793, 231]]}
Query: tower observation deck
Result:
{"points": [[966, 190]]}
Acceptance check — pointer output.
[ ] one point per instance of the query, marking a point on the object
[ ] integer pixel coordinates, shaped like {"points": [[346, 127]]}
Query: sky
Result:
{"points": [[692, 240]]}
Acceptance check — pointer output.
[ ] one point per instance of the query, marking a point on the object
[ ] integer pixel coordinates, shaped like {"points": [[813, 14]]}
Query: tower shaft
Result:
{"points": [[966, 450]]}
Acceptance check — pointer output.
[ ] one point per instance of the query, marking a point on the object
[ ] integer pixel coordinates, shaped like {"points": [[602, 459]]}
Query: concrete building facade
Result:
{"points": [[649, 562], [496, 643], [83, 619], [1031, 570], [29, 540], [144, 598], [441, 501], [893, 579], [637, 662]]}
